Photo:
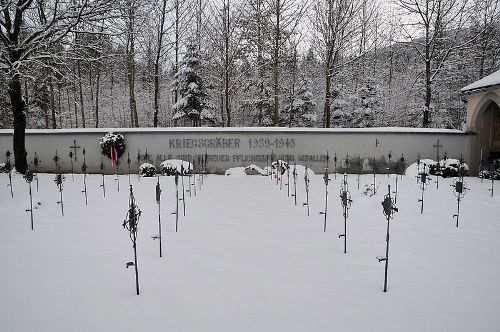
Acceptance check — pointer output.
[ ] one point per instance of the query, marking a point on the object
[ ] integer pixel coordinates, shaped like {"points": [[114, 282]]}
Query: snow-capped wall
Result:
{"points": [[234, 147]]}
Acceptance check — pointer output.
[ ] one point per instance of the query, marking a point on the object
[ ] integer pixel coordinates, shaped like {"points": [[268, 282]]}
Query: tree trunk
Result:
{"points": [[91, 88], [19, 124], [157, 66], [59, 102], [52, 103], [131, 68], [425, 120], [111, 85], [131, 86], [80, 89], [69, 107], [328, 95], [294, 81], [222, 115], [156, 94], [44, 103], [482, 58], [226, 63], [276, 64], [176, 49], [75, 105], [260, 65], [97, 86], [44, 107], [428, 94]]}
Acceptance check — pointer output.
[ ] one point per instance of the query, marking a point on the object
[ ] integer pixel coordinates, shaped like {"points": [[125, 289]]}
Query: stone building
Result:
{"points": [[483, 120]]}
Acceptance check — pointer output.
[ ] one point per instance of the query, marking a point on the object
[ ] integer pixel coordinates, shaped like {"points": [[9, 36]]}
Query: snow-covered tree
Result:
{"points": [[302, 111], [358, 109], [193, 106]]}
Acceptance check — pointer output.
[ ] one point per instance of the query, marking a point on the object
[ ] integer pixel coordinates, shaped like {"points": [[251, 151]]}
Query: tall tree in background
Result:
{"points": [[181, 19], [160, 36], [285, 17], [226, 36], [130, 55], [335, 25], [257, 42], [433, 28], [193, 106], [485, 22], [27, 27], [80, 81]]}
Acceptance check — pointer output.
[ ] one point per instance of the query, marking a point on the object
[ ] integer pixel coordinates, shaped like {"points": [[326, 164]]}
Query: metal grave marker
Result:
{"points": [[306, 185], [389, 208], [345, 202], [158, 200], [326, 180], [84, 170], [424, 180], [29, 178], [8, 167], [130, 224]]}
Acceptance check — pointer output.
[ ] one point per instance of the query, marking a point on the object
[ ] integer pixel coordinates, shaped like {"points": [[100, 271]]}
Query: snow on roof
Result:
{"points": [[485, 82]]}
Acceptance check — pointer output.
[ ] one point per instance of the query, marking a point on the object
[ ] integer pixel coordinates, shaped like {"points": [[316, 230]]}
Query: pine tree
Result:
{"points": [[193, 105], [302, 112]]}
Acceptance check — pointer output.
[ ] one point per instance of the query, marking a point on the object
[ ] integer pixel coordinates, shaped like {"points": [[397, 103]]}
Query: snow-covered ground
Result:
{"points": [[246, 259]]}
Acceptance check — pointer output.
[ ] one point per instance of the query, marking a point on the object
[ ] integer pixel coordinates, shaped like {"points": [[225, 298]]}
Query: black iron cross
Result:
{"points": [[74, 147], [437, 146]]}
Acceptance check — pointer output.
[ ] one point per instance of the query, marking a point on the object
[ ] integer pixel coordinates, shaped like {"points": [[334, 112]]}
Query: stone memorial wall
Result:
{"points": [[233, 147]]}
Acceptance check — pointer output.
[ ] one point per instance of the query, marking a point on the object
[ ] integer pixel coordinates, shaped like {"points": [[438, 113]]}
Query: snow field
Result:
{"points": [[246, 259]]}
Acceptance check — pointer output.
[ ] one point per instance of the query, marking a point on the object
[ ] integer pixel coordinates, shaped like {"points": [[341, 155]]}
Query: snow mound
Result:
{"points": [[175, 166], [266, 171], [254, 170], [414, 169], [236, 171]]}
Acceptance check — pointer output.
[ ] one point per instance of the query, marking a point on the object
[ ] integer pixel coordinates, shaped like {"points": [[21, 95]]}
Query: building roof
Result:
{"points": [[484, 83]]}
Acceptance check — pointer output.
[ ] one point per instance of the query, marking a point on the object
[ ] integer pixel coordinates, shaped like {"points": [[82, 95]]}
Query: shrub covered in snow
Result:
{"points": [[175, 166], [107, 142], [147, 170], [448, 168], [493, 172]]}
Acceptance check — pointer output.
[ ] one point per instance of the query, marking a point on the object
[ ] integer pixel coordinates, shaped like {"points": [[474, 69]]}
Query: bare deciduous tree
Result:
{"points": [[433, 28], [27, 29], [285, 17], [335, 25]]}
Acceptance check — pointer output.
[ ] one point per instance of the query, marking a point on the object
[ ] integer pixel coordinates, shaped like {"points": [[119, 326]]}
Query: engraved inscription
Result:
{"points": [[204, 143], [276, 143]]}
